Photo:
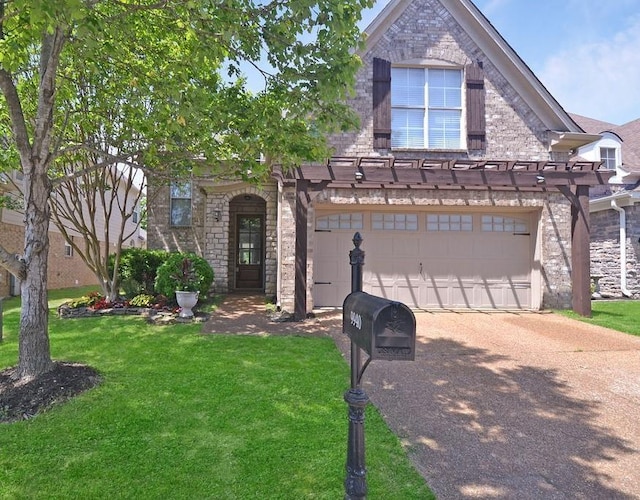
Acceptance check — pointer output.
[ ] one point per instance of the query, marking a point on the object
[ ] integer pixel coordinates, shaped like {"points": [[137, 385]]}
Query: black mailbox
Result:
{"points": [[383, 328]]}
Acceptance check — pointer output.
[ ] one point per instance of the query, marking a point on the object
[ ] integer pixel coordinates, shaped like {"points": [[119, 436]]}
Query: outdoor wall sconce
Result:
{"points": [[359, 175], [216, 215], [540, 179]]}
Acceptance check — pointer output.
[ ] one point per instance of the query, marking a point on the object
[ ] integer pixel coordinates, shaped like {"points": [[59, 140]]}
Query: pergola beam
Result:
{"points": [[571, 178], [421, 178]]}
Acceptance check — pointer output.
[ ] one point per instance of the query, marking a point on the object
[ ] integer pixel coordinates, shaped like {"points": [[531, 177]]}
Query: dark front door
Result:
{"points": [[249, 270]]}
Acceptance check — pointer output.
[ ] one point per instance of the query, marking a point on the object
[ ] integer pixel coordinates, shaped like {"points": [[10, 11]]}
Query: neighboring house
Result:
{"points": [[458, 180], [65, 267], [615, 208]]}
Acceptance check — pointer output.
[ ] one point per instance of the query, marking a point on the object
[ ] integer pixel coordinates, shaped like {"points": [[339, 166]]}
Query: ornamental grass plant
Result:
{"points": [[182, 415]]}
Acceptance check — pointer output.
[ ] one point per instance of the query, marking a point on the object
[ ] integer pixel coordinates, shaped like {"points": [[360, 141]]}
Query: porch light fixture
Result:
{"points": [[216, 215], [359, 175], [540, 179]]}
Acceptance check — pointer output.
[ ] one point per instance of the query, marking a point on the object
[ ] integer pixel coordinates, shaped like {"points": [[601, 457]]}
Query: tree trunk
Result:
{"points": [[34, 356]]}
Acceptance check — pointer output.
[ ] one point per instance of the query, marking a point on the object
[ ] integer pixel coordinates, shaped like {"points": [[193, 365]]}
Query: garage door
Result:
{"points": [[428, 259]]}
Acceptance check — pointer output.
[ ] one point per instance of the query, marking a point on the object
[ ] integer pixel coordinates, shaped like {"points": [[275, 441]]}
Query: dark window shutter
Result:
{"points": [[381, 104], [476, 124]]}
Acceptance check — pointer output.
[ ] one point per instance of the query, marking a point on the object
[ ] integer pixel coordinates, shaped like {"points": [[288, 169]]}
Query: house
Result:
{"points": [[615, 208], [459, 180], [65, 267]]}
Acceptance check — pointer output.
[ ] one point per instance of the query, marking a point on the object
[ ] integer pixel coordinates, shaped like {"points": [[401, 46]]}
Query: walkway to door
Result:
{"points": [[500, 405]]}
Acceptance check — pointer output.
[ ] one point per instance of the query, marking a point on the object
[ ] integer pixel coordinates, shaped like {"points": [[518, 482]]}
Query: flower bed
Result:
{"points": [[155, 309]]}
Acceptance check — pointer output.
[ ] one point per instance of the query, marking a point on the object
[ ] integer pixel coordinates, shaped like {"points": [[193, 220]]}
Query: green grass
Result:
{"points": [[183, 415], [621, 315]]}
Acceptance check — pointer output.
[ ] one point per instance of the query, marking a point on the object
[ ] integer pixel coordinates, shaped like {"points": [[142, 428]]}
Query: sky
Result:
{"points": [[585, 52]]}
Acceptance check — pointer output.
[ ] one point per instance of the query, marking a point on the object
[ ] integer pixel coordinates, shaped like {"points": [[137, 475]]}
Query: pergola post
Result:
{"points": [[580, 252], [300, 293]]}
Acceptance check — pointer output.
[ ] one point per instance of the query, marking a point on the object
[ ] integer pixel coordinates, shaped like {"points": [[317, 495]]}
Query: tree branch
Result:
{"points": [[13, 263]]}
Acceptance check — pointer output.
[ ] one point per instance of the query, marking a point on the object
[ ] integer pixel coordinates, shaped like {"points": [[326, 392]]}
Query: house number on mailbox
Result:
{"points": [[356, 320]]}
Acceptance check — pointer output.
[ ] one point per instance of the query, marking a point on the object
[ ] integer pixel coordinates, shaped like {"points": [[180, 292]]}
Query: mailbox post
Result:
{"points": [[384, 329], [355, 484]]}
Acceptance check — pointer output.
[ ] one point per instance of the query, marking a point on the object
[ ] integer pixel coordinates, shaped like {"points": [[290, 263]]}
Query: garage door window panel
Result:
{"points": [[339, 221], [499, 224], [394, 222], [447, 222]]}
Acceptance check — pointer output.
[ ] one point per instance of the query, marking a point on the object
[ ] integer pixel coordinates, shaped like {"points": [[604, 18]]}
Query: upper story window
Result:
{"points": [[426, 108], [608, 158], [135, 215], [423, 108], [180, 203]]}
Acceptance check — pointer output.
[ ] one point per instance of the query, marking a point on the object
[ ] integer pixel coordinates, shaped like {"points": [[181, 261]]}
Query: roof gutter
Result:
{"points": [[623, 248]]}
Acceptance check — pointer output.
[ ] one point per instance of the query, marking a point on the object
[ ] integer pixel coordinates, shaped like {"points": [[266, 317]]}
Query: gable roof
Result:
{"points": [[629, 134], [504, 58]]}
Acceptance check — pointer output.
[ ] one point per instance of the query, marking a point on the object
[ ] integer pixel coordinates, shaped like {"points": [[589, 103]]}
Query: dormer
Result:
{"points": [[607, 150]]}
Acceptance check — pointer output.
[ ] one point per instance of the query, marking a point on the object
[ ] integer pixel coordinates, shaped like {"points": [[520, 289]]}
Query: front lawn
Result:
{"points": [[621, 315], [184, 415]]}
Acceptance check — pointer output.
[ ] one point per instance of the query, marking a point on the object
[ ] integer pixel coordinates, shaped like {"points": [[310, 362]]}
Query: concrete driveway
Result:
{"points": [[517, 406]]}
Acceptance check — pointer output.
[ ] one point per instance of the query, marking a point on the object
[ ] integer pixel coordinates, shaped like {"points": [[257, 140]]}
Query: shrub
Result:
{"points": [[184, 271], [137, 269]]}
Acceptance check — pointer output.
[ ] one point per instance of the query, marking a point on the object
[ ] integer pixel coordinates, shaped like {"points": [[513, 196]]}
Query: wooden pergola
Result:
{"points": [[571, 178]]}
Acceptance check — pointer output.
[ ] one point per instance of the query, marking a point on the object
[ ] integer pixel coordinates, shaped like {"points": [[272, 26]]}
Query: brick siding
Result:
{"points": [[62, 271]]}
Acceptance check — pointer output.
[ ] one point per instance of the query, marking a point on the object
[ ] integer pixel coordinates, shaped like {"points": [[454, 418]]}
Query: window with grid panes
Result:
{"points": [[608, 158], [426, 108]]}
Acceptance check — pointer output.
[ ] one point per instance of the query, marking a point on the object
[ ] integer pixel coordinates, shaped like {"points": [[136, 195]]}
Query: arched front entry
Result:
{"points": [[247, 236]]}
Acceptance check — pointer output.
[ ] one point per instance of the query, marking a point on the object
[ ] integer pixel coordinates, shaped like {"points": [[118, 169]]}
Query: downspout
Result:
{"points": [[623, 248], [279, 248]]}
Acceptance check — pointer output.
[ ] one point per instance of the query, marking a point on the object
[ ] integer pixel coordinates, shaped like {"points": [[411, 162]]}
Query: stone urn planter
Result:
{"points": [[186, 300]]}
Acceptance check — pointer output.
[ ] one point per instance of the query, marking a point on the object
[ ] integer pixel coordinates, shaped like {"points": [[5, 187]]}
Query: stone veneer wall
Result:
{"points": [[208, 237], [218, 237], [287, 234], [160, 234], [554, 230], [605, 250]]}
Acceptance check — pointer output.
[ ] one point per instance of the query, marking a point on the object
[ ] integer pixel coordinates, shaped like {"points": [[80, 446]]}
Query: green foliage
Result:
{"points": [[160, 84], [186, 272], [88, 300], [142, 300], [192, 78], [137, 269]]}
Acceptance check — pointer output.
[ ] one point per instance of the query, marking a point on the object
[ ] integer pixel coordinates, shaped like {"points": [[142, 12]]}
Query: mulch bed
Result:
{"points": [[24, 400]]}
